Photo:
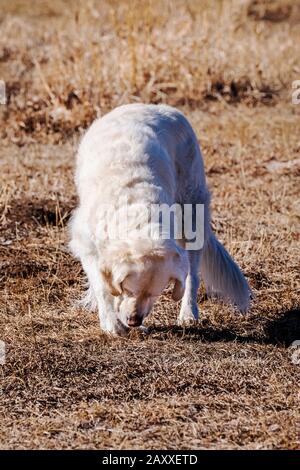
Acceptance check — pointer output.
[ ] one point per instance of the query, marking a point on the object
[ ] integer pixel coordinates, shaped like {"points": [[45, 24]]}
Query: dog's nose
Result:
{"points": [[134, 320]]}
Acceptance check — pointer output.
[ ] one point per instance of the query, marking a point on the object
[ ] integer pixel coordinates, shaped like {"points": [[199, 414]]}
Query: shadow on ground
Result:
{"points": [[280, 331]]}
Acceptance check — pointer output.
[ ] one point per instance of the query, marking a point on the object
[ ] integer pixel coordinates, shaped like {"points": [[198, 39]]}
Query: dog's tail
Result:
{"points": [[222, 276]]}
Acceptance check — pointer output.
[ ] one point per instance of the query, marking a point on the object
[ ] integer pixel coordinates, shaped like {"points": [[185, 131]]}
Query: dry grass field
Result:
{"points": [[228, 383]]}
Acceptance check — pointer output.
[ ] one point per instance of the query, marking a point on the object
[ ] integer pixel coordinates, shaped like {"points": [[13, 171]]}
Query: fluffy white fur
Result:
{"points": [[145, 154]]}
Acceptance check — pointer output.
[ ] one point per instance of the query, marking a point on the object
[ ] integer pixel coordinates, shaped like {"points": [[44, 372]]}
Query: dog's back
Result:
{"points": [[138, 148]]}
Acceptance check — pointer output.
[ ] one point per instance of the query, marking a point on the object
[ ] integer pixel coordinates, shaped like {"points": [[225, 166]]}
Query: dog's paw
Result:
{"points": [[116, 329], [186, 322], [188, 316]]}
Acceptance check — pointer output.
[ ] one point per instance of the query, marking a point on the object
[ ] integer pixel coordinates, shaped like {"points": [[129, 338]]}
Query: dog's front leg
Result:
{"points": [[99, 297], [109, 321], [189, 312]]}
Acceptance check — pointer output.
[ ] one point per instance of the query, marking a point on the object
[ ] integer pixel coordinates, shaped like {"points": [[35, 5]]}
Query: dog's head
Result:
{"points": [[136, 283]]}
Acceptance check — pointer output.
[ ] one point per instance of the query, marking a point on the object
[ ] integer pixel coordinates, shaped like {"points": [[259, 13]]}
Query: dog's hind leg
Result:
{"points": [[189, 312]]}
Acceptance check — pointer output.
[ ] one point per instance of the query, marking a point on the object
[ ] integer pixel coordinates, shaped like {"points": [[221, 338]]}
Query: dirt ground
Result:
{"points": [[231, 382]]}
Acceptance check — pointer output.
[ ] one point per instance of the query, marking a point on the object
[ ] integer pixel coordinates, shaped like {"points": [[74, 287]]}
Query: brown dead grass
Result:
{"points": [[67, 62], [229, 382]]}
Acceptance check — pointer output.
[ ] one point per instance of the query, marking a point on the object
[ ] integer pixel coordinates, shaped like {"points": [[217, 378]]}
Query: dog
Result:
{"points": [[139, 156]]}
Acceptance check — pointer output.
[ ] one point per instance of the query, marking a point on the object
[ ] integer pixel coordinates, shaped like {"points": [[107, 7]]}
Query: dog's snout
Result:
{"points": [[134, 320]]}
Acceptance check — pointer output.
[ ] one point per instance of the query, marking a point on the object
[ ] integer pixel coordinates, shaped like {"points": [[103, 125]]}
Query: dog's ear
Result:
{"points": [[114, 288], [179, 272]]}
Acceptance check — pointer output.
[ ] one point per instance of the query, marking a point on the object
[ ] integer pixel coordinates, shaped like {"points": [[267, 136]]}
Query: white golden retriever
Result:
{"points": [[145, 154]]}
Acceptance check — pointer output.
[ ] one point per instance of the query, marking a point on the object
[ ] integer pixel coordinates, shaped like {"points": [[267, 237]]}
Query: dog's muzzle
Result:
{"points": [[134, 320]]}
